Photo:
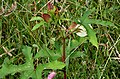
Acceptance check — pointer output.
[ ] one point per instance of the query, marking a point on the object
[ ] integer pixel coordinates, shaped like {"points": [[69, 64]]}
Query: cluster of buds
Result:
{"points": [[50, 8]]}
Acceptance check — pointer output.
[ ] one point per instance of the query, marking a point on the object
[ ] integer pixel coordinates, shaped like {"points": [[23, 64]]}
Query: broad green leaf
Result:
{"points": [[74, 43], [12, 69], [8, 68], [39, 70], [26, 74], [44, 53], [55, 65], [51, 65], [41, 53], [36, 18], [85, 20], [38, 25]]}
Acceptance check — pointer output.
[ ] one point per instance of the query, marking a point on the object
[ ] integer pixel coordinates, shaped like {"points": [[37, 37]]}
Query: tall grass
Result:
{"points": [[15, 31]]}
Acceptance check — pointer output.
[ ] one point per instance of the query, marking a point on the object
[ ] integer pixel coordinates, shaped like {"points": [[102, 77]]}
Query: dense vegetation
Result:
{"points": [[40, 36]]}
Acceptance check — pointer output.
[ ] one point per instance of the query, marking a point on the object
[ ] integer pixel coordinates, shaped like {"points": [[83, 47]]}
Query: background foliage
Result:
{"points": [[30, 48]]}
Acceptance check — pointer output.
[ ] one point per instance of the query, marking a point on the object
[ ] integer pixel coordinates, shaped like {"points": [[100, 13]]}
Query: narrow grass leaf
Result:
{"points": [[101, 22], [36, 18], [38, 25], [77, 54]]}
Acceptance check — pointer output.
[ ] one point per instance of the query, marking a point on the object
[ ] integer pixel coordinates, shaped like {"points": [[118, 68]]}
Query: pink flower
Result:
{"points": [[51, 75]]}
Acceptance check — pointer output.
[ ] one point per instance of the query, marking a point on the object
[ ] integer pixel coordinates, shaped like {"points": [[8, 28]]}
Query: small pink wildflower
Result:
{"points": [[51, 75]]}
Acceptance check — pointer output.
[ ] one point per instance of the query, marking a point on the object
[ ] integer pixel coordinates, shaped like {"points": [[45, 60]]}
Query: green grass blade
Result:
{"points": [[38, 25], [101, 22], [36, 18]]}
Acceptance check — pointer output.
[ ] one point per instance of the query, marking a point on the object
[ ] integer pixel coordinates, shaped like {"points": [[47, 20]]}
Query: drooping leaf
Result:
{"points": [[46, 17], [72, 26], [50, 6], [92, 35]]}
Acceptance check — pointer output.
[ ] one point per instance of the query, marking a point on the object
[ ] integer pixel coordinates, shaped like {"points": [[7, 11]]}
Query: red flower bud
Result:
{"points": [[46, 17]]}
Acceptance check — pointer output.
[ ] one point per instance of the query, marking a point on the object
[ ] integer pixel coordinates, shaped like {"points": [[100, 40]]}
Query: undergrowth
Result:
{"points": [[27, 51]]}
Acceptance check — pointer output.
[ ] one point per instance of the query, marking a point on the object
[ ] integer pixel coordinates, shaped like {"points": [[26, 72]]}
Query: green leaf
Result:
{"points": [[8, 68], [55, 65], [94, 21], [39, 70], [52, 55], [38, 25], [36, 18], [27, 52], [86, 14], [41, 53], [27, 74], [91, 35], [51, 65]]}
